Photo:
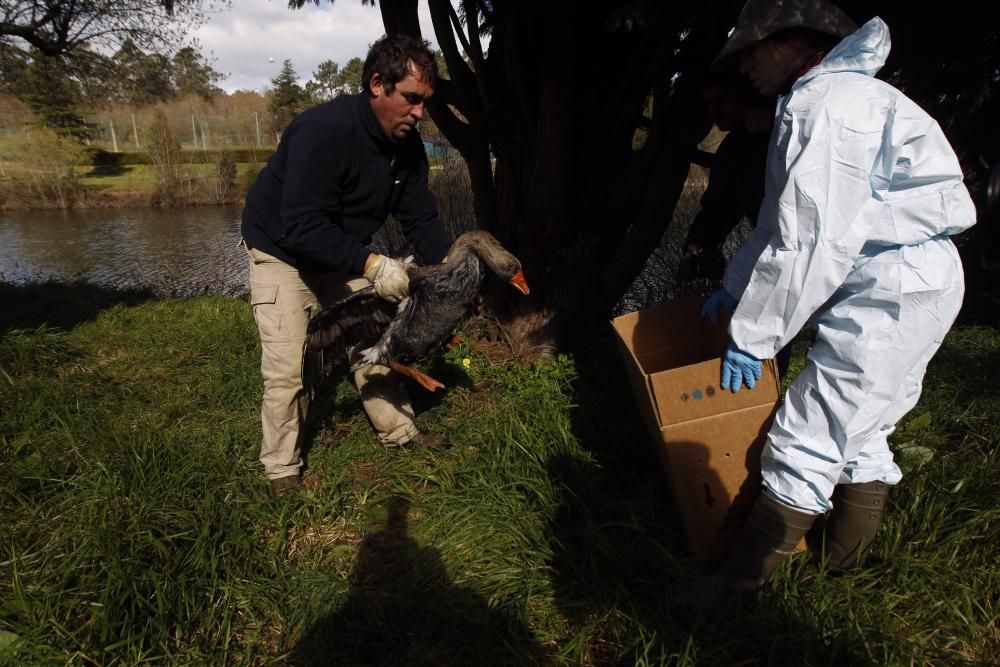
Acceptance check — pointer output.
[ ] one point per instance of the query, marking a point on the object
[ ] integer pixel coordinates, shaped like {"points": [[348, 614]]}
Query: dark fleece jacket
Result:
{"points": [[330, 185]]}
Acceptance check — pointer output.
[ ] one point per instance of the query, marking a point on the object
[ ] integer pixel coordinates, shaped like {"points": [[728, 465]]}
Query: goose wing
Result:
{"points": [[361, 317]]}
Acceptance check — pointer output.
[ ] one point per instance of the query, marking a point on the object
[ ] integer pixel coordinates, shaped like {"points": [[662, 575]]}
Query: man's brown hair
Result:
{"points": [[391, 56]]}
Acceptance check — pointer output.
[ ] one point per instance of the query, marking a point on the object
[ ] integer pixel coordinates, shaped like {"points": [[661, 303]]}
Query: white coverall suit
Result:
{"points": [[862, 191]]}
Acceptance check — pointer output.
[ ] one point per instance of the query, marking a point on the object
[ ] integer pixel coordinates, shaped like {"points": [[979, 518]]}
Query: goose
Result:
{"points": [[440, 296]]}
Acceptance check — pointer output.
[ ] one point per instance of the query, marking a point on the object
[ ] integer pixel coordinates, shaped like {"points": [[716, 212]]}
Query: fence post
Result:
{"points": [[135, 132]]}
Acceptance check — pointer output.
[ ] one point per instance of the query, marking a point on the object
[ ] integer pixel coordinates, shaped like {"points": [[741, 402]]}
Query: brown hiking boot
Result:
{"points": [[283, 485], [853, 522]]}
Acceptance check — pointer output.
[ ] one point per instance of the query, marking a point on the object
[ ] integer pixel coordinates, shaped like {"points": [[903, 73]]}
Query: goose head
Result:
{"points": [[501, 262], [508, 269]]}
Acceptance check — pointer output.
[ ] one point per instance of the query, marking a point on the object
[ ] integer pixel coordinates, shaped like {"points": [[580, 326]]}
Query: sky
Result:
{"points": [[241, 41]]}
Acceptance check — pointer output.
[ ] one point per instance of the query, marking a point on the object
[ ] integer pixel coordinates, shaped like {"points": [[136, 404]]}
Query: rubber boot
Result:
{"points": [[853, 523], [770, 536]]}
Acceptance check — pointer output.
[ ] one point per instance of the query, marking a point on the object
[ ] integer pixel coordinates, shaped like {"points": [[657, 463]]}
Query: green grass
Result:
{"points": [[137, 527], [143, 177], [130, 186]]}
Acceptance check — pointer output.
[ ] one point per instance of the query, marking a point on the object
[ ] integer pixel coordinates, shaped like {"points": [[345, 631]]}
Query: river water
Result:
{"points": [[172, 251], [192, 250]]}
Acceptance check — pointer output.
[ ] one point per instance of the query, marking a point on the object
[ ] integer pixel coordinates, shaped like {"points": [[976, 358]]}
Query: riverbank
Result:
{"points": [[138, 526], [133, 186]]}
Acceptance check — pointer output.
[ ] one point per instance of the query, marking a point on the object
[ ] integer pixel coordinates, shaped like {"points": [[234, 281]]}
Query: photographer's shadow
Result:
{"points": [[404, 610]]}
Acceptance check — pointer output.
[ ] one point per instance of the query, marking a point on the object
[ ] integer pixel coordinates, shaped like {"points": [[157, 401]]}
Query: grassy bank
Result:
{"points": [[44, 170], [137, 526], [142, 177], [129, 186], [136, 186]]}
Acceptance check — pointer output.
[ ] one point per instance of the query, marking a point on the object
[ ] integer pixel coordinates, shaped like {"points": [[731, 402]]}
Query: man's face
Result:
{"points": [[768, 64], [401, 110]]}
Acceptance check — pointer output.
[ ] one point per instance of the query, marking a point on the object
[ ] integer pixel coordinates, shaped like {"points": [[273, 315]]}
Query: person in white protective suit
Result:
{"points": [[862, 191]]}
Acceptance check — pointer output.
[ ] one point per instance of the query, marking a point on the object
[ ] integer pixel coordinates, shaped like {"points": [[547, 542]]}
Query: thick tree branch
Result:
{"points": [[400, 16], [456, 27], [473, 46], [461, 75], [475, 50]]}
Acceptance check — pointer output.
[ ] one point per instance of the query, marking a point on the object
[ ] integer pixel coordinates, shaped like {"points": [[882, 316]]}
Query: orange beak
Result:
{"points": [[519, 283]]}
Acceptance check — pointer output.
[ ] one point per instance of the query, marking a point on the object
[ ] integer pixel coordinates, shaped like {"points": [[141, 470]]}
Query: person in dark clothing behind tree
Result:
{"points": [[736, 179], [340, 169]]}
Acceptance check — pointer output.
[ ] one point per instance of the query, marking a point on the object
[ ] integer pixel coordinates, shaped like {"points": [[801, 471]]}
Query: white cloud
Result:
{"points": [[242, 39]]}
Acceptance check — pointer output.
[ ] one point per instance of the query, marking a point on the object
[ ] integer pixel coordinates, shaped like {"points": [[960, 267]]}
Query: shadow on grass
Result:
{"points": [[60, 305], [618, 549], [108, 170], [968, 364], [404, 610]]}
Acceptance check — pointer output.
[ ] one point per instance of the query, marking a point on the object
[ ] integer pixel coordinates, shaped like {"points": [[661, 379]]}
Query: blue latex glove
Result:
{"points": [[738, 367], [720, 300]]}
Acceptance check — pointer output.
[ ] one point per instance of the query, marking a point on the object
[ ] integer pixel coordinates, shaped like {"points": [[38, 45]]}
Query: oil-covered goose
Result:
{"points": [[400, 334]]}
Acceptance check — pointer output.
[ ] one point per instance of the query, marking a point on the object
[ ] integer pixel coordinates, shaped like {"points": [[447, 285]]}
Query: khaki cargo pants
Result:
{"points": [[283, 300]]}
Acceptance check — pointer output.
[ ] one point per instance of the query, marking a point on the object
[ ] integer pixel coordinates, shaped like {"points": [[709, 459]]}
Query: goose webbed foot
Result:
{"points": [[424, 380]]}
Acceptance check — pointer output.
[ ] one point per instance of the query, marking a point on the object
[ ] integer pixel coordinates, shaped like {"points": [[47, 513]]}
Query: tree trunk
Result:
{"points": [[556, 102]]}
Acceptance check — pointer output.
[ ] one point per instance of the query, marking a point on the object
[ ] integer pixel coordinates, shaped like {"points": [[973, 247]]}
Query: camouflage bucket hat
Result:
{"points": [[762, 18]]}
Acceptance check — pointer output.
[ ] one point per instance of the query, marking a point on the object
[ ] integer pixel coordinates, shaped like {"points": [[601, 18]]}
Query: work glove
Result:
{"points": [[720, 300], [389, 278], [738, 367]]}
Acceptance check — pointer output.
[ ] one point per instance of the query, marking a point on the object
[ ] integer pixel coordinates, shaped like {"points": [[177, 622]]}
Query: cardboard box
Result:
{"points": [[710, 438]]}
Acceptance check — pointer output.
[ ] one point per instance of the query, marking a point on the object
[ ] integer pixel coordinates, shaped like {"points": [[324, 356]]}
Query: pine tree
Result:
{"points": [[323, 85], [349, 77], [54, 97], [193, 75], [141, 78], [287, 97]]}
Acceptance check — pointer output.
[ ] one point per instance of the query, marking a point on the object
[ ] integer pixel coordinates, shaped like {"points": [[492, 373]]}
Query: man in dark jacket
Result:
{"points": [[340, 169]]}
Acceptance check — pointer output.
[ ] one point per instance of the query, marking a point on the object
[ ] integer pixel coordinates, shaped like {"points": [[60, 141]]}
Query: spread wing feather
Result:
{"points": [[361, 317]]}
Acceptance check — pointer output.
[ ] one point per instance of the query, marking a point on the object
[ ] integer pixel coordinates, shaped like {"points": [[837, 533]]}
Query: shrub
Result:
{"points": [[164, 152], [225, 176]]}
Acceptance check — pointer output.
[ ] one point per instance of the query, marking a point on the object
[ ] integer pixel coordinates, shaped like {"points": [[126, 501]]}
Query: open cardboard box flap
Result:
{"points": [[677, 356]]}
